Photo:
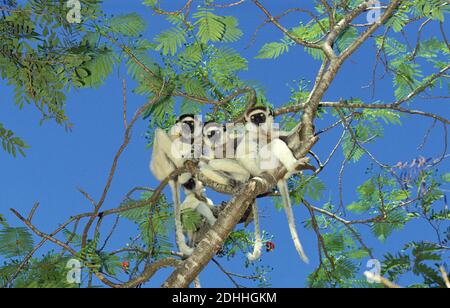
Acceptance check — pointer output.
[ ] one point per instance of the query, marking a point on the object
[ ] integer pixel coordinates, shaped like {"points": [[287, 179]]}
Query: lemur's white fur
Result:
{"points": [[256, 254], [214, 164], [257, 146], [192, 202]]}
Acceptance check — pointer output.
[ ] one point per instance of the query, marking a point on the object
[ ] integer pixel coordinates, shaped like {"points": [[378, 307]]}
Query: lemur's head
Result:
{"points": [[193, 186], [261, 117], [214, 135], [188, 119], [187, 127]]}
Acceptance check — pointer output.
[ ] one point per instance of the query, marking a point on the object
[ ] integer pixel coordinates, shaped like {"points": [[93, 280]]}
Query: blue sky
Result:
{"points": [[59, 162]]}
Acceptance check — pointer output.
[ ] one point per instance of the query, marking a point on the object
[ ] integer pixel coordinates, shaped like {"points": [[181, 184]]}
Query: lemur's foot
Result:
{"points": [[232, 183], [303, 164], [186, 252]]}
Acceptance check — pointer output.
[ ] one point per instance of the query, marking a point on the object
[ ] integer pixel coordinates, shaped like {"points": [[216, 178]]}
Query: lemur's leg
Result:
{"points": [[230, 166], [283, 153], [210, 173], [206, 212]]}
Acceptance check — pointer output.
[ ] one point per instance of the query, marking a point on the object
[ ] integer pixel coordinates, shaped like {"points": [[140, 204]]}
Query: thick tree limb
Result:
{"points": [[227, 221], [213, 240]]}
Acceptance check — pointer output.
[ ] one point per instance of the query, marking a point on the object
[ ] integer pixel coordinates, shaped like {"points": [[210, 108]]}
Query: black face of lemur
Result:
{"points": [[189, 185], [258, 118], [190, 123], [214, 134]]}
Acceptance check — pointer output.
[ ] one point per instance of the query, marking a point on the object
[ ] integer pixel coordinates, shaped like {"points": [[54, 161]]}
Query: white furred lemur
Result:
{"points": [[195, 200], [219, 164], [261, 150], [170, 151]]}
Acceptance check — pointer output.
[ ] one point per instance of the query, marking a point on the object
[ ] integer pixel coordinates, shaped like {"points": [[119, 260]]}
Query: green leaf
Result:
{"points": [[191, 219], [170, 40], [15, 242], [211, 27], [315, 189], [195, 87], [100, 67], [150, 3], [400, 195], [359, 207], [232, 32], [334, 242], [11, 143], [346, 38], [128, 25], [382, 230], [272, 50]]}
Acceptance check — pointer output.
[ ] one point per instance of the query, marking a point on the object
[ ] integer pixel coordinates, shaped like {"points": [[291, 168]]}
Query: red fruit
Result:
{"points": [[125, 266], [270, 246]]}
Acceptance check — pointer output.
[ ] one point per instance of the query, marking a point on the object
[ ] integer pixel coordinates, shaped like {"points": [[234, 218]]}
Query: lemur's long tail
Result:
{"points": [[179, 235], [197, 284], [256, 254], [282, 187]]}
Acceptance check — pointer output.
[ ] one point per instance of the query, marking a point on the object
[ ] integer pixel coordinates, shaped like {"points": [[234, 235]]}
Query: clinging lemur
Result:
{"points": [[218, 161], [170, 152], [219, 164], [195, 200], [261, 150]]}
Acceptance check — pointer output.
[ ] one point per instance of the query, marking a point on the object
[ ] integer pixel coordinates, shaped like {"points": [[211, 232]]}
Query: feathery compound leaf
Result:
{"points": [[272, 50], [232, 32], [189, 107], [100, 67], [191, 220], [346, 38], [195, 87], [392, 46], [211, 27], [227, 61], [11, 143], [170, 40], [191, 56], [15, 242], [128, 25]]}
